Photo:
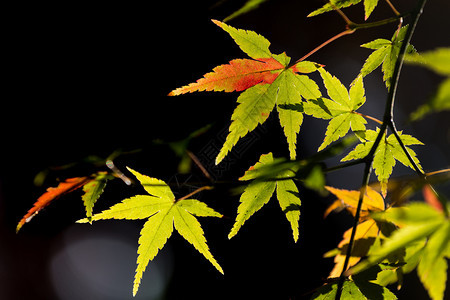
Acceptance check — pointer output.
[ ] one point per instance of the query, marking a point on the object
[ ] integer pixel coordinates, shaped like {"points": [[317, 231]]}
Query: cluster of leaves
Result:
{"points": [[387, 241], [93, 187], [395, 241]]}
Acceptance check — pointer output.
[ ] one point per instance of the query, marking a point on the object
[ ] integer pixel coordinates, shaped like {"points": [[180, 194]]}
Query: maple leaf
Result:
{"points": [[356, 289], [164, 213], [259, 192], [437, 60], [385, 54], [267, 81], [369, 6], [93, 189], [341, 109], [386, 155], [423, 229], [51, 194], [366, 232]]}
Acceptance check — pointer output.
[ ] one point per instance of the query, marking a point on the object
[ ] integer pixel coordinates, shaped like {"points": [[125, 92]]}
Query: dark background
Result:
{"points": [[86, 79]]}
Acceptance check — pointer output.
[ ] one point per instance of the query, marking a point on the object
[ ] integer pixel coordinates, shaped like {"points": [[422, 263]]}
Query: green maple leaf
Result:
{"points": [[369, 6], [423, 229], [386, 155], [163, 213], [437, 60], [259, 192], [93, 191], [385, 54], [341, 109], [360, 290], [266, 81]]}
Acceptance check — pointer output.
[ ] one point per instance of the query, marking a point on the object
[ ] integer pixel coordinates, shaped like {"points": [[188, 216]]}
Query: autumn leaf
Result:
{"points": [[366, 232], [259, 192], [346, 199], [164, 213], [51, 194], [267, 81]]}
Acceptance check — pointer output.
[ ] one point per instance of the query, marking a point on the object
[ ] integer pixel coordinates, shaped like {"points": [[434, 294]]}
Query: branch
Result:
{"points": [[366, 177], [387, 121]]}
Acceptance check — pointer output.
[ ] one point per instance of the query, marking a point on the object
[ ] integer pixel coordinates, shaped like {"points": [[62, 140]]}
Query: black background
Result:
{"points": [[87, 78]]}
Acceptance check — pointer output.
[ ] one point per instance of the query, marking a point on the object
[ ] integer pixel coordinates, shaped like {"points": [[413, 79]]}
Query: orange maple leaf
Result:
{"points": [[53, 193], [366, 231], [238, 75]]}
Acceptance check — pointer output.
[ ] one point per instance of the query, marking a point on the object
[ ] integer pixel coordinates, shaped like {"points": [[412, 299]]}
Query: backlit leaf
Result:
{"points": [[385, 54], [437, 60], [386, 155], [267, 81], [340, 109], [93, 190], [259, 192], [248, 6], [369, 6], [164, 213], [418, 225], [45, 199]]}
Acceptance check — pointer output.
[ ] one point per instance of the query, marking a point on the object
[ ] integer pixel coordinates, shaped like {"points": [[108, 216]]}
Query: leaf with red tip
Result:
{"points": [[53, 193], [238, 75]]}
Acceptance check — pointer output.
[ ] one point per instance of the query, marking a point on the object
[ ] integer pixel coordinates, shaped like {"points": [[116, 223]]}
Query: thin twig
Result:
{"points": [[437, 172], [345, 32], [199, 165]]}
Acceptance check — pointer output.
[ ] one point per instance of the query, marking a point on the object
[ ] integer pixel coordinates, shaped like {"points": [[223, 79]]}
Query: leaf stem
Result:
{"points": [[369, 117], [206, 187], [437, 172], [392, 7]]}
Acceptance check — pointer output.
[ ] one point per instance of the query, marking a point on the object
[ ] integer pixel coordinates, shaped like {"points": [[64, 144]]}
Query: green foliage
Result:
{"points": [[385, 242], [385, 54], [341, 109], [437, 60], [247, 7], [93, 191], [163, 212], [369, 6], [387, 153], [417, 223], [358, 289], [259, 192]]}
